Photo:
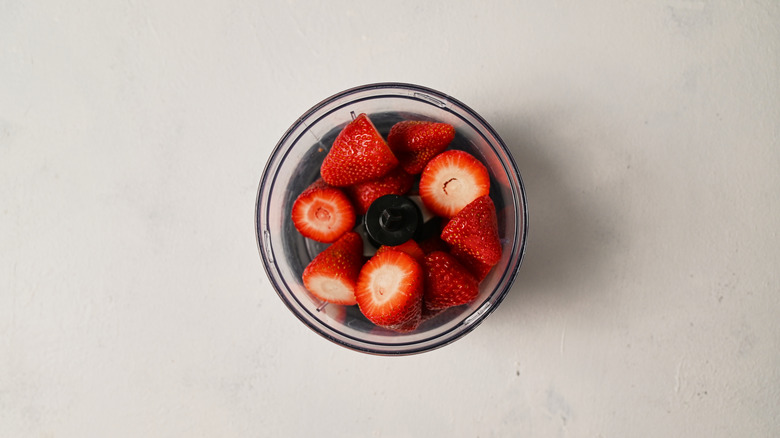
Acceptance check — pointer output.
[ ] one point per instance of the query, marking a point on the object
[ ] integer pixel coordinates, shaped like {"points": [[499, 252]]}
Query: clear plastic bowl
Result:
{"points": [[295, 163]]}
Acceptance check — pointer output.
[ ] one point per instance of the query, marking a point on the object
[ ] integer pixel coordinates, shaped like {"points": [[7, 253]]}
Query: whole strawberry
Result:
{"points": [[414, 142], [358, 154], [332, 275]]}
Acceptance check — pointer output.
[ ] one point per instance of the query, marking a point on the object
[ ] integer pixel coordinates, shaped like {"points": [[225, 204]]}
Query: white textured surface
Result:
{"points": [[133, 301]]}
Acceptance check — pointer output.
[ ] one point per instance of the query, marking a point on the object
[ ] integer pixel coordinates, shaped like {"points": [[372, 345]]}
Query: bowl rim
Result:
{"points": [[476, 317]]}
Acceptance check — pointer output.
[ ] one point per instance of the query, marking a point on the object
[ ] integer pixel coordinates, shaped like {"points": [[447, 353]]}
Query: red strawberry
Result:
{"points": [[323, 213], [414, 143], [332, 275], [451, 180], [447, 282], [396, 182], [410, 247], [478, 269], [473, 234], [358, 154], [433, 243], [389, 290]]}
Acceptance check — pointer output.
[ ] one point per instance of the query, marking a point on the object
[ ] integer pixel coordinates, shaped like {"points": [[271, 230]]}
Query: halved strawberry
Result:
{"points": [[473, 235], [323, 213], [396, 182], [414, 142], [447, 282], [410, 247], [332, 275], [451, 180], [389, 290], [358, 154]]}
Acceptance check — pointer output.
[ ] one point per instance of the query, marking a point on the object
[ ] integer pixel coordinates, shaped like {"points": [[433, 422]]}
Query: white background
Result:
{"points": [[133, 301]]}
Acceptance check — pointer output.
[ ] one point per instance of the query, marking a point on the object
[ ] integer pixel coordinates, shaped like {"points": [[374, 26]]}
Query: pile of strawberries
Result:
{"points": [[399, 286]]}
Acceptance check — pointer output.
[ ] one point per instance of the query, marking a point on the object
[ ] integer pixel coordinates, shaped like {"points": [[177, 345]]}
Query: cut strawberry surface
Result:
{"points": [[414, 143], [323, 213], [410, 247], [452, 180], [389, 290], [332, 275], [473, 233], [447, 282], [358, 154], [396, 182]]}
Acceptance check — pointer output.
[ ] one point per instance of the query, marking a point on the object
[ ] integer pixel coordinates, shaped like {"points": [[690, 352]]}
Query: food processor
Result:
{"points": [[294, 164]]}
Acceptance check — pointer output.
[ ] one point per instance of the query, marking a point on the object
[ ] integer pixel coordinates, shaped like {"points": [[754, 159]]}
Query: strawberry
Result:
{"points": [[410, 247], [478, 268], [473, 235], [323, 213], [358, 154], [332, 275], [433, 243], [389, 290], [447, 282], [396, 182], [451, 180], [414, 143]]}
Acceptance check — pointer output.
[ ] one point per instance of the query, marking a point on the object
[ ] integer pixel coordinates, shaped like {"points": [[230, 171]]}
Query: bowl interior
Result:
{"points": [[295, 164]]}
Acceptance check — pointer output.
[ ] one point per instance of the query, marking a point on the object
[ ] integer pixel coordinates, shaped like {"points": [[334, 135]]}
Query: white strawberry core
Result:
{"points": [[385, 281], [458, 188], [322, 214], [452, 187]]}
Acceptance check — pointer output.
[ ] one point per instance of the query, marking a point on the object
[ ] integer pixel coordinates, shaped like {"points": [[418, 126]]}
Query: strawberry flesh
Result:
{"points": [[414, 142], [389, 290], [332, 275], [323, 213], [447, 282], [358, 154], [452, 180]]}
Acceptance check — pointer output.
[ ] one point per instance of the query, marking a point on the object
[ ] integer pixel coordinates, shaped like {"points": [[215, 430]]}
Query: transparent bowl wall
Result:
{"points": [[295, 163]]}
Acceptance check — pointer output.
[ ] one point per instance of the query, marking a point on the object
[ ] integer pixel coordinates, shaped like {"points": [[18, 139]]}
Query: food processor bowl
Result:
{"points": [[294, 164]]}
